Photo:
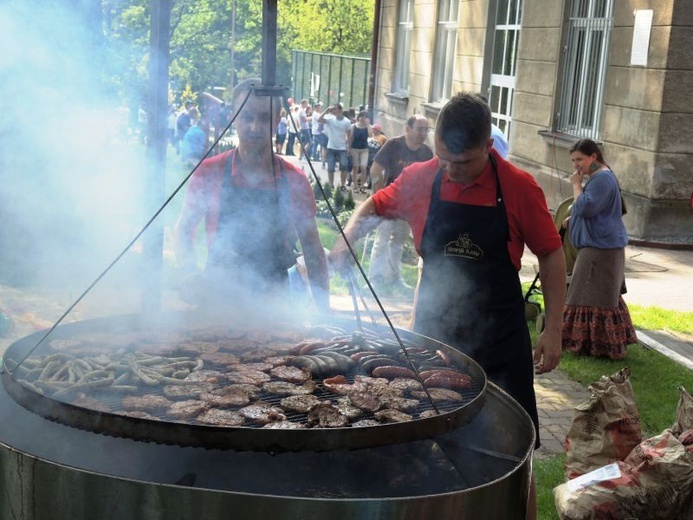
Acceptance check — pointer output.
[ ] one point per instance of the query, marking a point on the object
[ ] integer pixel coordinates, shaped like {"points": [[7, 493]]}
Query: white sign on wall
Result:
{"points": [[641, 37]]}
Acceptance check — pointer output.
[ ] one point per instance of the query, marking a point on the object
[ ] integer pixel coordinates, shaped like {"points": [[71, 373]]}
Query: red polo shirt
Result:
{"points": [[529, 219], [204, 188]]}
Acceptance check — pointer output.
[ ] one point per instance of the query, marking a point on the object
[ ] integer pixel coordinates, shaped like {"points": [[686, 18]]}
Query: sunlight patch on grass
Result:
{"points": [[657, 318]]}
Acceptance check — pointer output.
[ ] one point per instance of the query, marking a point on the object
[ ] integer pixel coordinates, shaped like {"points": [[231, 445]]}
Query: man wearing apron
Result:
{"points": [[254, 206], [471, 214]]}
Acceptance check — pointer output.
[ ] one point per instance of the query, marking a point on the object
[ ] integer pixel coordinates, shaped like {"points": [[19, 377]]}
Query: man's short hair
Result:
{"points": [[240, 92], [411, 121], [464, 122]]}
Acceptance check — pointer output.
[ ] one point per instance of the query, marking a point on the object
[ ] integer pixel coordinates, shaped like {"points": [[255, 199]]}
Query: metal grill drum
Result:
{"points": [[476, 468]]}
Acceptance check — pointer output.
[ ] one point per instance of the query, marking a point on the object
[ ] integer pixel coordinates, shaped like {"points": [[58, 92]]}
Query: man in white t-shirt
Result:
{"points": [[318, 149], [304, 128], [339, 136]]}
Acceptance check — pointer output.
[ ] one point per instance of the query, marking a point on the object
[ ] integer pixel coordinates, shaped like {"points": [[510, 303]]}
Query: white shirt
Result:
{"points": [[315, 126], [337, 133]]}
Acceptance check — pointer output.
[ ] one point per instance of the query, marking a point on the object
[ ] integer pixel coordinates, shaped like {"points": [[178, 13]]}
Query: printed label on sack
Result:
{"points": [[608, 472]]}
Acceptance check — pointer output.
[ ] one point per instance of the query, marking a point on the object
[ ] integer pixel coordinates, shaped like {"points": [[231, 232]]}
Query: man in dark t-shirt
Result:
{"points": [[385, 271]]}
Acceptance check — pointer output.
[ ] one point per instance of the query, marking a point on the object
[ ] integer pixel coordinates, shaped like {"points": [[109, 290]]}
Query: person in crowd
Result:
{"points": [[255, 205], [375, 143], [194, 145], [500, 142], [472, 214], [319, 137], [339, 136], [293, 125], [223, 117], [182, 124], [304, 119], [171, 125], [596, 321], [360, 132], [282, 129], [385, 270]]}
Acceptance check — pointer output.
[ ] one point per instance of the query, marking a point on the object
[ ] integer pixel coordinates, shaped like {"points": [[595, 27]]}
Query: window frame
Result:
{"points": [[445, 49], [585, 63], [402, 50]]}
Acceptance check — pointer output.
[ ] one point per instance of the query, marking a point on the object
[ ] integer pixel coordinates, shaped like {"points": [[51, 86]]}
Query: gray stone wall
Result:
{"points": [[647, 119]]}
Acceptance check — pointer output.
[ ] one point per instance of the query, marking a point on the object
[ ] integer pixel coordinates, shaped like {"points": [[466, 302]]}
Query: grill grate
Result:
{"points": [[113, 401], [102, 411]]}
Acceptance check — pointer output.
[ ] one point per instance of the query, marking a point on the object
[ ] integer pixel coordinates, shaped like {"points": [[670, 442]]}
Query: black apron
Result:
{"points": [[254, 242], [470, 295]]}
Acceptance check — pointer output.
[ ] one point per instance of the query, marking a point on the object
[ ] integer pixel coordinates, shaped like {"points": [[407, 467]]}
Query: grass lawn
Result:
{"points": [[655, 380]]}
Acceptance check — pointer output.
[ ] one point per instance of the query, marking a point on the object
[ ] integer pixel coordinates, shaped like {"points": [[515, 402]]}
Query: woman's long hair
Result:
{"points": [[588, 147]]}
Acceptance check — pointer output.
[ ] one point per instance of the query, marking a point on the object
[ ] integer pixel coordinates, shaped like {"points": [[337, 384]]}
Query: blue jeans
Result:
{"points": [[337, 155], [319, 142]]}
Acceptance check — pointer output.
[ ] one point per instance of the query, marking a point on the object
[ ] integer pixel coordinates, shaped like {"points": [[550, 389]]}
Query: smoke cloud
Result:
{"points": [[71, 192]]}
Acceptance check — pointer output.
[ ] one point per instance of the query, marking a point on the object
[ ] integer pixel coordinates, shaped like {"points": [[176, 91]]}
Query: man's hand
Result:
{"points": [[547, 353], [364, 220], [341, 259]]}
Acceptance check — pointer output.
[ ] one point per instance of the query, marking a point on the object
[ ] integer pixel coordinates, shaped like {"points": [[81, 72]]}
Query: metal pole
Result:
{"points": [[374, 59], [269, 43], [157, 113], [232, 82]]}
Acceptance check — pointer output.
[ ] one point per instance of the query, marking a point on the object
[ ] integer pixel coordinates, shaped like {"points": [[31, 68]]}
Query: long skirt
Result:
{"points": [[596, 321]]}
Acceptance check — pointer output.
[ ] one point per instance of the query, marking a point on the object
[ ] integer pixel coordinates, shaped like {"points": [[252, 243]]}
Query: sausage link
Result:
{"points": [[392, 372], [442, 381]]}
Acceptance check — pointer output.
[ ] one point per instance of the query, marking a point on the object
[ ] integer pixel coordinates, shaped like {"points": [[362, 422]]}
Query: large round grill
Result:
{"points": [[470, 460], [98, 407]]}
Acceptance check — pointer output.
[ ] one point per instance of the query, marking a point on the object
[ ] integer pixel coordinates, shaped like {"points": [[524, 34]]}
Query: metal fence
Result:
{"points": [[330, 78]]}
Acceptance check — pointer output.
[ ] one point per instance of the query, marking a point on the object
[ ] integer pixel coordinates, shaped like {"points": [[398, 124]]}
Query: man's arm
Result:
{"points": [[377, 177], [364, 220], [322, 119], [547, 353], [316, 262]]}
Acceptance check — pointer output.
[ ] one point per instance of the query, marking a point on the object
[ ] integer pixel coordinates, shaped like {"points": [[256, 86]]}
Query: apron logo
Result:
{"points": [[464, 247]]}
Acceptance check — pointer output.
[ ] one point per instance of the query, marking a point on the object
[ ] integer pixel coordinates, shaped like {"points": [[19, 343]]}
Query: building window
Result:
{"points": [[405, 24], [504, 65], [446, 46], [584, 73]]}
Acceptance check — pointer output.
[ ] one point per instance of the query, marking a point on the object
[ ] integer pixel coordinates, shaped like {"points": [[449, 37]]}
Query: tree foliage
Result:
{"points": [[335, 26], [219, 42]]}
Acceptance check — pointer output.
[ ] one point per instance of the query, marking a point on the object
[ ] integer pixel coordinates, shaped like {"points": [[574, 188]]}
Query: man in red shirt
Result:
{"points": [[254, 206], [471, 214]]}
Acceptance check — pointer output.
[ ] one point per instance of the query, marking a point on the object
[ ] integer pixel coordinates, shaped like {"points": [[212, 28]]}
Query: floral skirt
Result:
{"points": [[598, 332], [596, 321]]}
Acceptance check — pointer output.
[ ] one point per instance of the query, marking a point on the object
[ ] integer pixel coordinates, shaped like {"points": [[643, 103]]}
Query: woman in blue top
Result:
{"points": [[596, 320]]}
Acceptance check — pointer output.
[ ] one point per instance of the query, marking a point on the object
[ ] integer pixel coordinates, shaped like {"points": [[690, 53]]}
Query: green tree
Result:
{"points": [[335, 26], [219, 42]]}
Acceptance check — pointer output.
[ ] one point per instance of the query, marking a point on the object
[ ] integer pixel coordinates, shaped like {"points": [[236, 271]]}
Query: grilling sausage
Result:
{"points": [[447, 381], [392, 372], [443, 372]]}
